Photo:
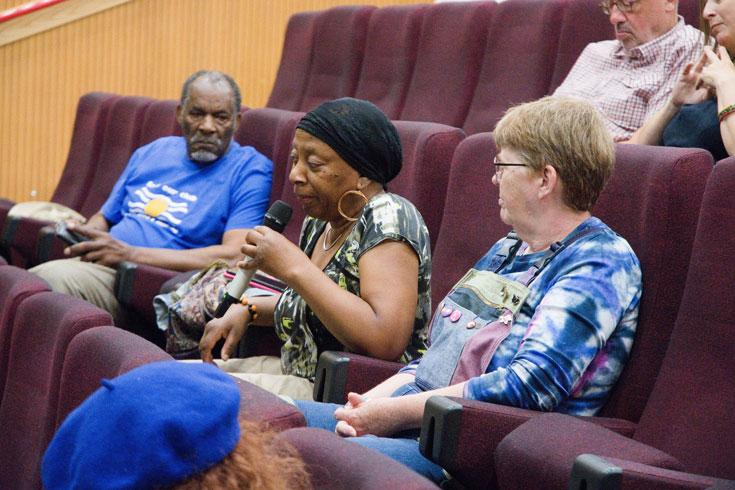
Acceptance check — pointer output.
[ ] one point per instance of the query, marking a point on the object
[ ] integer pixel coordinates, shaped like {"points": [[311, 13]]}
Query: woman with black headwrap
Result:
{"points": [[359, 280]]}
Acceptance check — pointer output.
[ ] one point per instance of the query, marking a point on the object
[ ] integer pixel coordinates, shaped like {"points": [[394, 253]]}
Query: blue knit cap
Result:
{"points": [[154, 426]]}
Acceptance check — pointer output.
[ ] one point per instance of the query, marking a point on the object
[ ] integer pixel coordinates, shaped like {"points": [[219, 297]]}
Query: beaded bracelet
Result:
{"points": [[252, 309], [726, 112]]}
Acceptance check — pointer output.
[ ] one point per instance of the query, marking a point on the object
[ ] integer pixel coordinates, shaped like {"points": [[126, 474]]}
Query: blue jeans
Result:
{"points": [[404, 447]]}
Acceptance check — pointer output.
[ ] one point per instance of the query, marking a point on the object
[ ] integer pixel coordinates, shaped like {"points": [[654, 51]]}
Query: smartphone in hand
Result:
{"points": [[70, 237]]}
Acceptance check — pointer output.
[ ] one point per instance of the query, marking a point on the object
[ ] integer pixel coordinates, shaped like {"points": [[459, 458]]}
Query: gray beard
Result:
{"points": [[203, 156]]}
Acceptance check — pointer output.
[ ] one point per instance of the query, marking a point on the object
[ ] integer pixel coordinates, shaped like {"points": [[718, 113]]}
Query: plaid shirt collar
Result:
{"points": [[651, 48]]}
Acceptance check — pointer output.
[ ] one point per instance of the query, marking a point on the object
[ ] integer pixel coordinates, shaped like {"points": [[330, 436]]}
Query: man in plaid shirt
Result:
{"points": [[630, 78]]}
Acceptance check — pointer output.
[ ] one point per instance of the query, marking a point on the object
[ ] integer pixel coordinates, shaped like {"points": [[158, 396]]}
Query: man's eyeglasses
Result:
{"points": [[622, 5], [500, 165]]}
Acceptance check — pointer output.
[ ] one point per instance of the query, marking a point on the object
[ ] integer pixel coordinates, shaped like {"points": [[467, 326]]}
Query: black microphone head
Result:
{"points": [[277, 216]]}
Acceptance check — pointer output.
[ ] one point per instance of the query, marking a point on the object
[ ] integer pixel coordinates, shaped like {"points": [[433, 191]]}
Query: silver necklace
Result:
{"points": [[334, 242]]}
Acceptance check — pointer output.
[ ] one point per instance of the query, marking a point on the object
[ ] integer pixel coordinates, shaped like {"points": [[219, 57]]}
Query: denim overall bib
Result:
{"points": [[477, 315]]}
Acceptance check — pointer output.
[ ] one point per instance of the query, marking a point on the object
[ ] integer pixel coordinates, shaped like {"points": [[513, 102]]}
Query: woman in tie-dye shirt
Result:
{"points": [[546, 319]]}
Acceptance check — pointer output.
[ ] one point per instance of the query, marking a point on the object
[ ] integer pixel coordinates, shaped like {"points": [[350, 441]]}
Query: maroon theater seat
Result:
{"points": [[159, 121], [336, 57], [427, 155], [15, 286], [43, 327], [575, 34], [653, 201], [336, 463], [19, 236], [270, 131], [448, 61], [121, 139], [293, 71], [97, 353], [518, 62], [390, 54]]}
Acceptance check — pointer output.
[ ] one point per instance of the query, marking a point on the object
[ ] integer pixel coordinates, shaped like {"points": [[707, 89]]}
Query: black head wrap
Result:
{"points": [[360, 133]]}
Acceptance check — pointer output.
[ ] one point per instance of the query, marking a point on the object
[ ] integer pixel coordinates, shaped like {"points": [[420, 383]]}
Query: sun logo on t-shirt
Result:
{"points": [[158, 206], [155, 207]]}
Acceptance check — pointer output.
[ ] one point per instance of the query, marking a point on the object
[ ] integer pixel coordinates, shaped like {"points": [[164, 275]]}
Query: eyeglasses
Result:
{"points": [[499, 167], [622, 5]]}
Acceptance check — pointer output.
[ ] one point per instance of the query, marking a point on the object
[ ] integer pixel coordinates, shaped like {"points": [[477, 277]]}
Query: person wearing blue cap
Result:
{"points": [[168, 425]]}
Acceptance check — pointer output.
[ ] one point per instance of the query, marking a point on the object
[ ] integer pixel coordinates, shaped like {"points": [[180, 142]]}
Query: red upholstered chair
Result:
{"points": [[270, 131], [336, 56], [121, 139], [97, 353], [390, 54], [19, 236], [335, 463], [653, 201], [583, 23], [15, 286], [43, 327], [516, 67], [427, 154], [688, 415], [293, 71], [159, 121], [451, 45]]}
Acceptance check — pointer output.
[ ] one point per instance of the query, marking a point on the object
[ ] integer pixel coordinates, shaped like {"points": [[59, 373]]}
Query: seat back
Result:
{"points": [[86, 143], [471, 220], [15, 286], [506, 80], [390, 54], [335, 463], [450, 48], [122, 138], [427, 155], [270, 131], [97, 353], [336, 56], [293, 71], [653, 201], [159, 121], [689, 414], [583, 22], [44, 325]]}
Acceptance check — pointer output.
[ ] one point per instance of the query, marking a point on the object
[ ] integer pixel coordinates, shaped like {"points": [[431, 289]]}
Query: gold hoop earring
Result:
{"points": [[339, 203]]}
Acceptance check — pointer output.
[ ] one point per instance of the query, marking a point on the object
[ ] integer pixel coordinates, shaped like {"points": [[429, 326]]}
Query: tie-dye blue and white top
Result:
{"points": [[569, 341]]}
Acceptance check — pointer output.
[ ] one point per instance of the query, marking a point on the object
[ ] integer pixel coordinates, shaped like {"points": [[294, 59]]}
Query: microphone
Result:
{"points": [[276, 218]]}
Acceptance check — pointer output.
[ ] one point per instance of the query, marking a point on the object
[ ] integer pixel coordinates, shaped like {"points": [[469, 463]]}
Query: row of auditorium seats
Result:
{"points": [[668, 423], [458, 63], [56, 349]]}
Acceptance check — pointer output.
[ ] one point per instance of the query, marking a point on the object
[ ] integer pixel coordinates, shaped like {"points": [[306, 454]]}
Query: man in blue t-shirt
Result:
{"points": [[181, 202]]}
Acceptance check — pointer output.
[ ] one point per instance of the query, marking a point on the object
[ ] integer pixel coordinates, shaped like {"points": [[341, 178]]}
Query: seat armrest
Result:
{"points": [[592, 472], [48, 246], [461, 435], [339, 373], [20, 237], [137, 284]]}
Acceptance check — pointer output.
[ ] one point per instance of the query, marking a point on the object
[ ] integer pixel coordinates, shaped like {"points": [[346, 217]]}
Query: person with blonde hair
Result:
{"points": [[545, 320]]}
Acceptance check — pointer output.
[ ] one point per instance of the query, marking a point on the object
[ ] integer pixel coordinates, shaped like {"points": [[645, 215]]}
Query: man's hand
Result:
{"points": [[230, 327], [362, 416], [101, 248]]}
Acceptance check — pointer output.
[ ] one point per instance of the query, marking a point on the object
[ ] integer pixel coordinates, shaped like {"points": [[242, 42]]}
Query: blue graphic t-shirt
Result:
{"points": [[164, 200]]}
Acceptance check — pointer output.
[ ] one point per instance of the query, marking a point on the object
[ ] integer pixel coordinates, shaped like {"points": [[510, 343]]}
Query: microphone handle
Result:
{"points": [[234, 291]]}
